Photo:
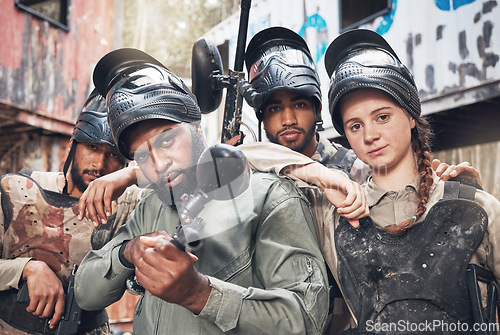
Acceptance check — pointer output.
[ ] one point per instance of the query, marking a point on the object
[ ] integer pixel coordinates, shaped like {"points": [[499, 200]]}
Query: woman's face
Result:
{"points": [[378, 129]]}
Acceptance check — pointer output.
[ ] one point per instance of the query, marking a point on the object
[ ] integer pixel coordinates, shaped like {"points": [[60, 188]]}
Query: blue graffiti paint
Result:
{"points": [[317, 22], [459, 3], [387, 19], [446, 5], [443, 4]]}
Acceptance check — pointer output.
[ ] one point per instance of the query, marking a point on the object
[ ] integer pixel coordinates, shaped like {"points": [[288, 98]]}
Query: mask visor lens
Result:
{"points": [[369, 57], [284, 54]]}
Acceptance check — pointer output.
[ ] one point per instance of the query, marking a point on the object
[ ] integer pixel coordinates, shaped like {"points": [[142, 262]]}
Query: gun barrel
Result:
{"points": [[234, 101], [242, 35]]}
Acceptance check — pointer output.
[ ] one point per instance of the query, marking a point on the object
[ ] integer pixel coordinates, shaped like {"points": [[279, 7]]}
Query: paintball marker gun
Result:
{"points": [[72, 312], [208, 80], [222, 174]]}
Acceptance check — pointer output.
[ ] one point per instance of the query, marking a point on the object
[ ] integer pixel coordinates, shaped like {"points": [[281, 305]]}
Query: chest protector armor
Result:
{"points": [[44, 225], [419, 276]]}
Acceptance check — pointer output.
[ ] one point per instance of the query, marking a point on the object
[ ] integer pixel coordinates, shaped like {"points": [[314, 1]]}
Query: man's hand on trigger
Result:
{"points": [[169, 273], [46, 292], [445, 171], [135, 248]]}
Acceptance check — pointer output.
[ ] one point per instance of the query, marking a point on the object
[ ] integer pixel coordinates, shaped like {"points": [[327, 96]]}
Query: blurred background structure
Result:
{"points": [[50, 48]]}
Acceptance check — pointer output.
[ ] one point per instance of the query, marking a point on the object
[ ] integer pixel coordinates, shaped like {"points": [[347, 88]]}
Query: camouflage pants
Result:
{"points": [[5, 329]]}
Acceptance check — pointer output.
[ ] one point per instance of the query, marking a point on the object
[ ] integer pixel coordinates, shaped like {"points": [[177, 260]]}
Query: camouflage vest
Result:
{"points": [[44, 225]]}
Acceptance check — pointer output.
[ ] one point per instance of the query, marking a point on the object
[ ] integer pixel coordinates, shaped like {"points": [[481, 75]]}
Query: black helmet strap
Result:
{"points": [[319, 120], [69, 159]]}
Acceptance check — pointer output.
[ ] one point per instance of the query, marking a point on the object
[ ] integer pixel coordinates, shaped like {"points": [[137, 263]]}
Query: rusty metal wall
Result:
{"points": [[45, 77], [45, 71], [35, 152]]}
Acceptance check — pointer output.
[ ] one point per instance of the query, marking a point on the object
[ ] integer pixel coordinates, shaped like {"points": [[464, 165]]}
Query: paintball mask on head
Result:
{"points": [[91, 127], [363, 59], [92, 124], [137, 88], [278, 58]]}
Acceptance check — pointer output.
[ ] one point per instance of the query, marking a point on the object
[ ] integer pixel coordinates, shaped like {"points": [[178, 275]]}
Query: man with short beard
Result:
{"points": [[257, 270], [171, 195], [280, 68], [41, 237]]}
